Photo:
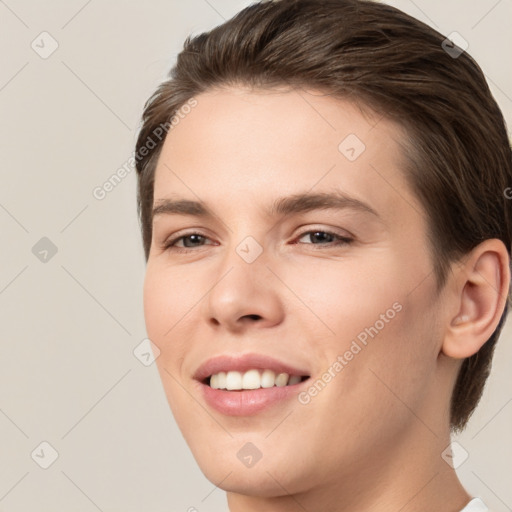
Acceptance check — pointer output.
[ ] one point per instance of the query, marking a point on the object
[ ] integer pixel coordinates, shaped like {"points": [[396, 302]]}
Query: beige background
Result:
{"points": [[70, 324]]}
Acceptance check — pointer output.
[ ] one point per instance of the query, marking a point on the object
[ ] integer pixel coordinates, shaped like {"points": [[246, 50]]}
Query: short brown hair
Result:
{"points": [[459, 160]]}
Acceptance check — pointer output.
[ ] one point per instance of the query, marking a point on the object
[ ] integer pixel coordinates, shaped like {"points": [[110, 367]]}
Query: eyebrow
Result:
{"points": [[295, 203]]}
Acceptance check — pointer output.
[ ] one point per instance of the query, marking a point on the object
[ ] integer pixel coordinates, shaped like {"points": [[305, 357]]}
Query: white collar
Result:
{"points": [[475, 505]]}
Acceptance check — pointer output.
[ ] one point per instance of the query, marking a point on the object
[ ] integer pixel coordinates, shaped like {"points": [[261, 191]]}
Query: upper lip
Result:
{"points": [[244, 362]]}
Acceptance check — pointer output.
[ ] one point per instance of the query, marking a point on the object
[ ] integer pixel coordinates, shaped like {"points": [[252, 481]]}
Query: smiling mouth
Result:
{"points": [[251, 380]]}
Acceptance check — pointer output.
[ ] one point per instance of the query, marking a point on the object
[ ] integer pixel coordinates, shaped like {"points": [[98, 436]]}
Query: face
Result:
{"points": [[336, 290]]}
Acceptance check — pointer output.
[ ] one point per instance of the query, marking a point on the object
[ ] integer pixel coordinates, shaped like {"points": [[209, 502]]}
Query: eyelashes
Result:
{"points": [[337, 240], [341, 240], [170, 244]]}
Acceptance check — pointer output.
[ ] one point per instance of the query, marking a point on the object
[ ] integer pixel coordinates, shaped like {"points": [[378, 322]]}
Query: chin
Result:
{"points": [[261, 481], [236, 465]]}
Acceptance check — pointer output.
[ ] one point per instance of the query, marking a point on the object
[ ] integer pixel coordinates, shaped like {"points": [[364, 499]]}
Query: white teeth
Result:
{"points": [[221, 380], [268, 379], [233, 380], [252, 379]]}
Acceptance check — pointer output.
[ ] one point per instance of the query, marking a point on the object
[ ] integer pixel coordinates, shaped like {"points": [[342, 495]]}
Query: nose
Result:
{"points": [[244, 294]]}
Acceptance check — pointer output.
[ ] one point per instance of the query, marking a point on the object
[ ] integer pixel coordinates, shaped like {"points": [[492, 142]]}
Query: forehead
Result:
{"points": [[238, 145]]}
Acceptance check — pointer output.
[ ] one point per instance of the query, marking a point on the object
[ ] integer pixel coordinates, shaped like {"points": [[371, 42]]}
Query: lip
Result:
{"points": [[243, 363], [247, 402]]}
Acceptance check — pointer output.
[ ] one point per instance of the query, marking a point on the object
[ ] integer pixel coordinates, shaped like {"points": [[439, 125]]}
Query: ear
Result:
{"points": [[481, 284]]}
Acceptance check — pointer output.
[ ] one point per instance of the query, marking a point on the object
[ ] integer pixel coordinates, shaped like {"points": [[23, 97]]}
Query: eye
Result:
{"points": [[193, 240], [190, 240], [325, 236]]}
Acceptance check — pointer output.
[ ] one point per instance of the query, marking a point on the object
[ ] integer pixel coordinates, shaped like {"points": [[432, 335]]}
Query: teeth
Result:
{"points": [[268, 378], [282, 379], [233, 380], [294, 379], [252, 379], [221, 380]]}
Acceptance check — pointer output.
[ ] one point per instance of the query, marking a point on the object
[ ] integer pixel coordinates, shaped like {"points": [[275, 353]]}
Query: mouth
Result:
{"points": [[244, 385], [255, 378]]}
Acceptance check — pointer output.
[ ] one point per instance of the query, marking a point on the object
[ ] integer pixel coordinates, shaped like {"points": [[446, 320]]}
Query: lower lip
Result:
{"points": [[248, 402]]}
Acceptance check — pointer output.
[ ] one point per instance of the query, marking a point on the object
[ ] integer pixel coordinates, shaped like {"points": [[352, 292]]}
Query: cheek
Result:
{"points": [[342, 297], [163, 307], [168, 296], [166, 305], [369, 315], [392, 371], [156, 303]]}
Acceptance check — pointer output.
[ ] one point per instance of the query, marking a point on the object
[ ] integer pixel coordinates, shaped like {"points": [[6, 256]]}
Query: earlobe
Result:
{"points": [[482, 286]]}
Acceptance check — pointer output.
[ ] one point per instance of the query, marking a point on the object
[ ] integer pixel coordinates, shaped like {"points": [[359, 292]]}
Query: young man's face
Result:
{"points": [[361, 319]]}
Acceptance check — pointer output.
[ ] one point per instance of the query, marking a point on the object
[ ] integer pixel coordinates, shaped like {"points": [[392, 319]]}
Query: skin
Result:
{"points": [[372, 439]]}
